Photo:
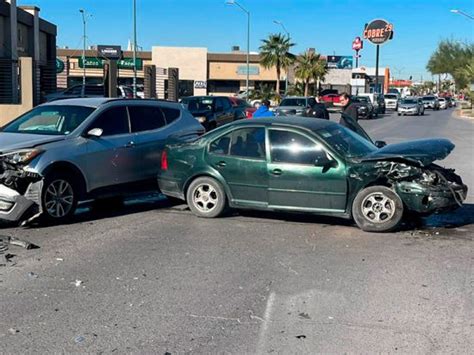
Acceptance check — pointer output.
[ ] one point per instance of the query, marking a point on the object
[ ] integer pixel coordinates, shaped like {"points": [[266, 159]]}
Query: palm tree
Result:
{"points": [[310, 66], [275, 52]]}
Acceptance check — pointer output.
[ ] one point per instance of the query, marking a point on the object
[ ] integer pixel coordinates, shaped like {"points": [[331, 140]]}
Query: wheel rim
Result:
{"points": [[378, 208], [59, 198], [205, 198]]}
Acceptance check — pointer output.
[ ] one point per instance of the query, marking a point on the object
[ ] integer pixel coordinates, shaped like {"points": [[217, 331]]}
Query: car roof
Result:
{"points": [[99, 101], [310, 123]]}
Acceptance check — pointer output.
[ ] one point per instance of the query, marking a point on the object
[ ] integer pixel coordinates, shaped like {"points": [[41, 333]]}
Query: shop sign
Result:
{"points": [[59, 66], [109, 52], [339, 61], [378, 31], [253, 70], [97, 63], [357, 44], [200, 84]]}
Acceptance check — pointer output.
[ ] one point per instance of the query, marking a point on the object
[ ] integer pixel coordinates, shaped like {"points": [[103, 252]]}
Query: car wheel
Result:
{"points": [[377, 209], [59, 197], [206, 197], [398, 114], [422, 112]]}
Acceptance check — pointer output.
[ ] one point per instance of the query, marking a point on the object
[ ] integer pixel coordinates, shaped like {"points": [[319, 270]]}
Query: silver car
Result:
{"points": [[411, 106], [295, 106], [66, 151]]}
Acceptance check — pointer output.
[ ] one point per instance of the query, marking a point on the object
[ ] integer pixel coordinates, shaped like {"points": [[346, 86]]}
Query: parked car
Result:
{"points": [[431, 101], [376, 100], [331, 98], [67, 151], [391, 101], [364, 108], [242, 108], [411, 106], [296, 106], [443, 103], [210, 111], [315, 166], [78, 91]]}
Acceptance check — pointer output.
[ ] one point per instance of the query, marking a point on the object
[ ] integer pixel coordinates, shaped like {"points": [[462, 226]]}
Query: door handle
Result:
{"points": [[130, 144], [221, 164], [277, 172]]}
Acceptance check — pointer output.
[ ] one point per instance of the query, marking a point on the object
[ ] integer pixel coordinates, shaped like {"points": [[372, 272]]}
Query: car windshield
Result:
{"points": [[293, 102], [409, 101], [428, 97], [362, 99], [391, 96], [51, 120], [346, 142], [198, 103]]}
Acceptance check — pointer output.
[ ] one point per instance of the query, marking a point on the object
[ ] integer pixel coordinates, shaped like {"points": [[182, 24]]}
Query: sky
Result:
{"points": [[329, 26]]}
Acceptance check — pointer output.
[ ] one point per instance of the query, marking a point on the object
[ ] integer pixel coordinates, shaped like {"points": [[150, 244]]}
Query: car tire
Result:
{"points": [[206, 197], [423, 112], [377, 209], [399, 114], [59, 197]]}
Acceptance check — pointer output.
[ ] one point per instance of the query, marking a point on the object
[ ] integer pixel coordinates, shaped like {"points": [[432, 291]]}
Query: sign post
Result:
{"points": [[378, 32], [111, 54]]}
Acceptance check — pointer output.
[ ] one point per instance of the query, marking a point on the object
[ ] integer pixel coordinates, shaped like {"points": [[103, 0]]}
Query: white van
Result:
{"points": [[374, 100]]}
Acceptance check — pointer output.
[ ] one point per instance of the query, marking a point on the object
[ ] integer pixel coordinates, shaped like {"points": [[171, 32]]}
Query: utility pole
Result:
{"points": [[134, 49], [83, 12]]}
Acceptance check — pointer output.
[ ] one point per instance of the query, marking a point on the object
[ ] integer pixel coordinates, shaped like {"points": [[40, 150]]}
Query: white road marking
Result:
{"points": [[266, 319]]}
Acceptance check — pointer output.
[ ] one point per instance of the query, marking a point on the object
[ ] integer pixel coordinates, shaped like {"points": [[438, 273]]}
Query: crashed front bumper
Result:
{"points": [[431, 199], [14, 205]]}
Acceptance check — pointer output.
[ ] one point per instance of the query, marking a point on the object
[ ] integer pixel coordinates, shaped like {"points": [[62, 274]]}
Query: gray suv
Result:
{"points": [[296, 106], [66, 151]]}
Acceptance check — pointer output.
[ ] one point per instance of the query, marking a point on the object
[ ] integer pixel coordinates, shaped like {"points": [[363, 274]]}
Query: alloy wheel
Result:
{"points": [[378, 208], [205, 198], [59, 198]]}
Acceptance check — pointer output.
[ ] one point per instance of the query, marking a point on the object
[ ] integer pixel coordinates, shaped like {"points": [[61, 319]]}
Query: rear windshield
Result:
{"points": [[428, 97], [293, 102], [198, 103], [52, 120]]}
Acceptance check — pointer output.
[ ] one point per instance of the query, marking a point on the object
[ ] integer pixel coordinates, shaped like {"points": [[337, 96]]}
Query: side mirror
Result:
{"points": [[95, 132], [380, 144], [325, 163]]}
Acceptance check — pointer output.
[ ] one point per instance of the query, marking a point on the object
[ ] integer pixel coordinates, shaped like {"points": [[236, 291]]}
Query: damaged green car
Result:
{"points": [[311, 165]]}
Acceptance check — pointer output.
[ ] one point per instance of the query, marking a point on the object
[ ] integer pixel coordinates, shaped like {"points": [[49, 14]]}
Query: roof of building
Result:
{"points": [[66, 52]]}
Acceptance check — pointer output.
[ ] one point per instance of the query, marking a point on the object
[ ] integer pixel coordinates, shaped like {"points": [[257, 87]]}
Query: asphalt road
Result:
{"points": [[152, 278]]}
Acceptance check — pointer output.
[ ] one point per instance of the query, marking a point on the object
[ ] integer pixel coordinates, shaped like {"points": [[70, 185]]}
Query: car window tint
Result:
{"points": [[293, 148], [75, 90], [226, 104], [171, 114], [248, 142], [146, 118], [311, 102], [113, 121], [220, 145], [219, 104]]}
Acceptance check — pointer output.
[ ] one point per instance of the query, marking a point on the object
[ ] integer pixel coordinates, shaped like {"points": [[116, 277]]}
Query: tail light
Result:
{"points": [[164, 160]]}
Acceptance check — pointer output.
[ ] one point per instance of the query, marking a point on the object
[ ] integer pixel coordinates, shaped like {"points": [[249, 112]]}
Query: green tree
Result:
{"points": [[454, 58], [265, 92], [297, 89], [310, 66], [275, 52]]}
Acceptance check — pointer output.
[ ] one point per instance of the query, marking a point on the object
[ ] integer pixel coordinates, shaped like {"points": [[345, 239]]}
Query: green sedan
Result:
{"points": [[309, 165]]}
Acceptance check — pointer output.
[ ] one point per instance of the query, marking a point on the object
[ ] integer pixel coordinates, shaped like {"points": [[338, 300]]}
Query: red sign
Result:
{"points": [[357, 44], [400, 83]]}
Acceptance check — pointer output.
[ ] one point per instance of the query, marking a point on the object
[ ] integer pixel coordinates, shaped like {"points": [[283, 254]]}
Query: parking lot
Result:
{"points": [[151, 277]]}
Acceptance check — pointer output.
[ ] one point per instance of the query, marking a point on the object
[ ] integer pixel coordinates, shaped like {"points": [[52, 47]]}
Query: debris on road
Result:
{"points": [[32, 275], [13, 331], [6, 241], [304, 315], [77, 283], [301, 336], [79, 339]]}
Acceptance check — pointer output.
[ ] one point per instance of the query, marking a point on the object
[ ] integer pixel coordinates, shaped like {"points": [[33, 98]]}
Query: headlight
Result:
{"points": [[201, 119], [22, 156], [5, 205]]}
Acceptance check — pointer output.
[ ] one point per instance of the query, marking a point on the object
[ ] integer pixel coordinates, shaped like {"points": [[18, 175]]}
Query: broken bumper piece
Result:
{"points": [[14, 205]]}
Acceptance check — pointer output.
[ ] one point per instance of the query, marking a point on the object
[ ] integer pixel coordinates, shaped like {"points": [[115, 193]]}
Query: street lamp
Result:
{"points": [[233, 2], [83, 12], [134, 49], [288, 35], [456, 11]]}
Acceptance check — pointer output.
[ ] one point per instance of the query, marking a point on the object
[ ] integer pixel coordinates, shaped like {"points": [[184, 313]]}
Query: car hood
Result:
{"points": [[423, 151], [14, 141]]}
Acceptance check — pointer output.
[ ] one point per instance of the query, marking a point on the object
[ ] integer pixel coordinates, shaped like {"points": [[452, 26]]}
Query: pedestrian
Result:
{"points": [[318, 110], [263, 110], [349, 108]]}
